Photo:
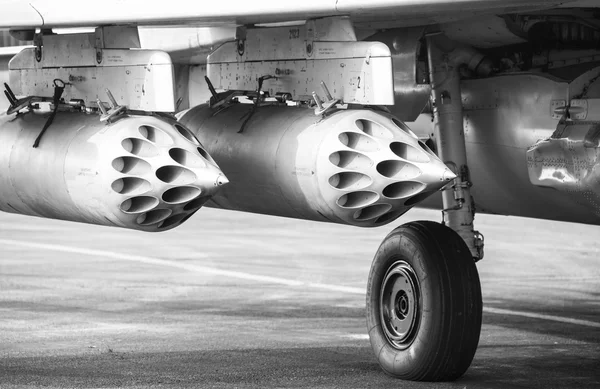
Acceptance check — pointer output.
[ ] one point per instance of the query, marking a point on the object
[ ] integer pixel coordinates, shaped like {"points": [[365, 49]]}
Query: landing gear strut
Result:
{"points": [[445, 59], [424, 303], [424, 297]]}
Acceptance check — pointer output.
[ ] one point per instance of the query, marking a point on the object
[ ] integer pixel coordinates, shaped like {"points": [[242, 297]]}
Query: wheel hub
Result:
{"points": [[400, 304]]}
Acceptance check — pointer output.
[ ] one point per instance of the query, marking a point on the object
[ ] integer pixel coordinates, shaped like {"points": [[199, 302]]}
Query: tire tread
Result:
{"points": [[458, 336]]}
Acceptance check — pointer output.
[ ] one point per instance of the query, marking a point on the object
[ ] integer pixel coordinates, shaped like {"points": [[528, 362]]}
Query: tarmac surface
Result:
{"points": [[237, 300]]}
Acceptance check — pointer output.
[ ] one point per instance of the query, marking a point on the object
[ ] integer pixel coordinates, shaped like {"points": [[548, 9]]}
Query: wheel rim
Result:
{"points": [[399, 303]]}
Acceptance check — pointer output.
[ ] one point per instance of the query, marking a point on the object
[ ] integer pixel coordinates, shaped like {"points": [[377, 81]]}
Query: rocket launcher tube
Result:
{"points": [[140, 172], [358, 167]]}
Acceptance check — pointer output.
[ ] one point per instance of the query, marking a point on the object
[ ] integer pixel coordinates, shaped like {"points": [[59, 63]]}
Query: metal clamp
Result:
{"points": [[257, 101], [461, 182], [38, 42], [323, 107], [99, 45], [114, 110], [479, 242]]}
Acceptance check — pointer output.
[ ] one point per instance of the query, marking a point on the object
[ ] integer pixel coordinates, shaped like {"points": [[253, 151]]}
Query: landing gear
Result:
{"points": [[424, 303]]}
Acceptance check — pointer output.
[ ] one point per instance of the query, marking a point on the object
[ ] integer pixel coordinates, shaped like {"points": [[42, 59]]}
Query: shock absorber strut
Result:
{"points": [[445, 59]]}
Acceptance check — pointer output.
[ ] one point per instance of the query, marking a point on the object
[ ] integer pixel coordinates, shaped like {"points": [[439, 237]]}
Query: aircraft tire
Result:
{"points": [[424, 303]]}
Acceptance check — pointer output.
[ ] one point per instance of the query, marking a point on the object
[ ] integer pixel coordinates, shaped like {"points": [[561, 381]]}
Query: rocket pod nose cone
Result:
{"points": [[160, 173], [373, 169]]}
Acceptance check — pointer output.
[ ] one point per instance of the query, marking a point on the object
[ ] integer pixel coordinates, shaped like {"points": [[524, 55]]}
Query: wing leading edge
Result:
{"points": [[70, 13]]}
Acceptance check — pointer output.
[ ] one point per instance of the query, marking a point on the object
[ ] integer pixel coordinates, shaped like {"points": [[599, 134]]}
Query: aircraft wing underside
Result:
{"points": [[377, 13]]}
